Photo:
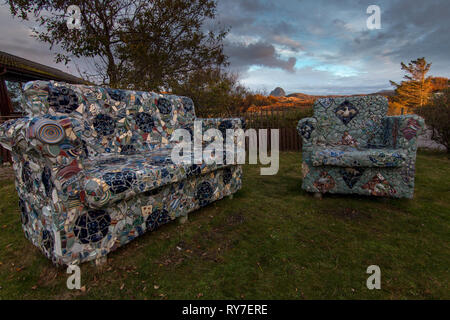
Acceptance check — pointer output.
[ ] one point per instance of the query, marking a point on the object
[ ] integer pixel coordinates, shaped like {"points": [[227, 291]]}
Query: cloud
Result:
{"points": [[331, 44], [258, 54], [18, 40], [288, 42]]}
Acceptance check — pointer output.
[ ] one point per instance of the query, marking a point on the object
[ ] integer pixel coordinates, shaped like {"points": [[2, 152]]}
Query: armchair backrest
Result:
{"points": [[355, 121], [111, 121]]}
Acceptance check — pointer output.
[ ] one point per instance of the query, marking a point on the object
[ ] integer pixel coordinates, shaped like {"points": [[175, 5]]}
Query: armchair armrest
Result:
{"points": [[306, 128], [403, 131]]}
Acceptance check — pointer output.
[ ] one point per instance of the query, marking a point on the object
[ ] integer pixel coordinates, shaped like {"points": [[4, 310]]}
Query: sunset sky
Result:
{"points": [[315, 47]]}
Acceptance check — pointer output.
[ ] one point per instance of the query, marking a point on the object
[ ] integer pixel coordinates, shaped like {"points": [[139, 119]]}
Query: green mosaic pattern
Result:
{"points": [[351, 146]]}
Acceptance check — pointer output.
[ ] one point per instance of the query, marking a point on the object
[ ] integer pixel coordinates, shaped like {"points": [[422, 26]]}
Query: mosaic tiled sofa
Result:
{"points": [[351, 146], [93, 170]]}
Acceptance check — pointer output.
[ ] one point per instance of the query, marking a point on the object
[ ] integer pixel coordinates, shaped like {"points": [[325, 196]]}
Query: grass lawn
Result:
{"points": [[272, 241]]}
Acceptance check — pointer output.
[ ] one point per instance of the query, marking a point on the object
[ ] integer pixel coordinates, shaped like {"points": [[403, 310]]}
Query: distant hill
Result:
{"points": [[385, 93], [299, 95], [300, 100], [278, 92]]}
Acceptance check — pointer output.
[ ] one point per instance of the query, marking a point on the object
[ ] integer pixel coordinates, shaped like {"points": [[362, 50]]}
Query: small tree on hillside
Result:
{"points": [[417, 87], [440, 83]]}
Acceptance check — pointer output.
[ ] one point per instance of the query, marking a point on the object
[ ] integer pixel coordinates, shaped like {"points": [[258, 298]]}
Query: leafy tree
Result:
{"points": [[437, 117], [166, 46], [141, 44], [416, 89], [214, 92], [99, 36], [440, 83]]}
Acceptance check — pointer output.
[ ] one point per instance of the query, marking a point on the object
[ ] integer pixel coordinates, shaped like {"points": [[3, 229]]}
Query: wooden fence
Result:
{"points": [[283, 120]]}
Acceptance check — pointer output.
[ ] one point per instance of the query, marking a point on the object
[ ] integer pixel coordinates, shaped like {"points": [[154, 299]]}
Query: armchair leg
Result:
{"points": [[318, 195], [183, 219]]}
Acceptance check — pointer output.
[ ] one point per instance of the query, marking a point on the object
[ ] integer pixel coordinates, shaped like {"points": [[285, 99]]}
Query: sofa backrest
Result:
{"points": [[354, 121], [112, 121]]}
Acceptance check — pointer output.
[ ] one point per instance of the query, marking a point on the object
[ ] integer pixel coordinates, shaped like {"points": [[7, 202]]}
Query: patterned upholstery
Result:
{"points": [[344, 156], [93, 168], [351, 146]]}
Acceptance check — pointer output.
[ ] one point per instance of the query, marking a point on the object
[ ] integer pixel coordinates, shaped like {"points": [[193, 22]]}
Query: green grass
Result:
{"points": [[272, 241]]}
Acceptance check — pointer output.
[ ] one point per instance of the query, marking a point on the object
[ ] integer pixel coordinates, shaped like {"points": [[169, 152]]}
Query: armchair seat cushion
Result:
{"points": [[114, 178], [346, 156]]}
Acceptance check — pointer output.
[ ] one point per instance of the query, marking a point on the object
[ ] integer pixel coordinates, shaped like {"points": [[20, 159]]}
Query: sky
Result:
{"points": [[313, 47]]}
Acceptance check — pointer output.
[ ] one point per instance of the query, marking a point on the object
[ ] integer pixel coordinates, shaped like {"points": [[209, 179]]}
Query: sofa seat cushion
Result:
{"points": [[345, 156], [114, 178]]}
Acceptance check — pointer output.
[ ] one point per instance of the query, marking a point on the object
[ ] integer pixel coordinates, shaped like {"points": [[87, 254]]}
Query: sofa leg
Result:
{"points": [[230, 196], [318, 195], [99, 262], [183, 219]]}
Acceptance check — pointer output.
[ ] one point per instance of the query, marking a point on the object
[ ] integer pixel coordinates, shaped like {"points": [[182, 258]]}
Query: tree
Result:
{"points": [[437, 117], [416, 89], [140, 44], [99, 36], [164, 46], [214, 92], [440, 83]]}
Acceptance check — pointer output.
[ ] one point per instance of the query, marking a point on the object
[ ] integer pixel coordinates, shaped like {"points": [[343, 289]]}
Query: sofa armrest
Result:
{"points": [[222, 123], [306, 128], [403, 131], [47, 153], [55, 138], [8, 130]]}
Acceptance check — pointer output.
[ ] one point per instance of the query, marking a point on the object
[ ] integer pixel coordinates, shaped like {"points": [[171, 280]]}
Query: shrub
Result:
{"points": [[437, 117]]}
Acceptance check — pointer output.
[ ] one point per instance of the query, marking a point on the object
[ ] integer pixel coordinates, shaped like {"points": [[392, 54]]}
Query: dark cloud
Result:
{"points": [[253, 5], [258, 54]]}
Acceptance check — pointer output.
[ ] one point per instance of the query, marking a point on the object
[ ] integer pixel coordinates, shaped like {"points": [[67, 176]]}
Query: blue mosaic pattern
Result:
{"points": [[351, 146], [93, 168]]}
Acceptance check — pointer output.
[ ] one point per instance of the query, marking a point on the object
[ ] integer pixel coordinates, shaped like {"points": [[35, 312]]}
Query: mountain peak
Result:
{"points": [[278, 92]]}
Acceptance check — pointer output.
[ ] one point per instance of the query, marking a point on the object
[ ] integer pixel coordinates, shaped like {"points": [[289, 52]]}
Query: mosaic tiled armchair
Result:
{"points": [[351, 146], [93, 168]]}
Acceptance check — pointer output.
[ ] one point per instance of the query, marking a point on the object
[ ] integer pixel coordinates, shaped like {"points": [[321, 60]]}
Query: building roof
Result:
{"points": [[15, 68]]}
